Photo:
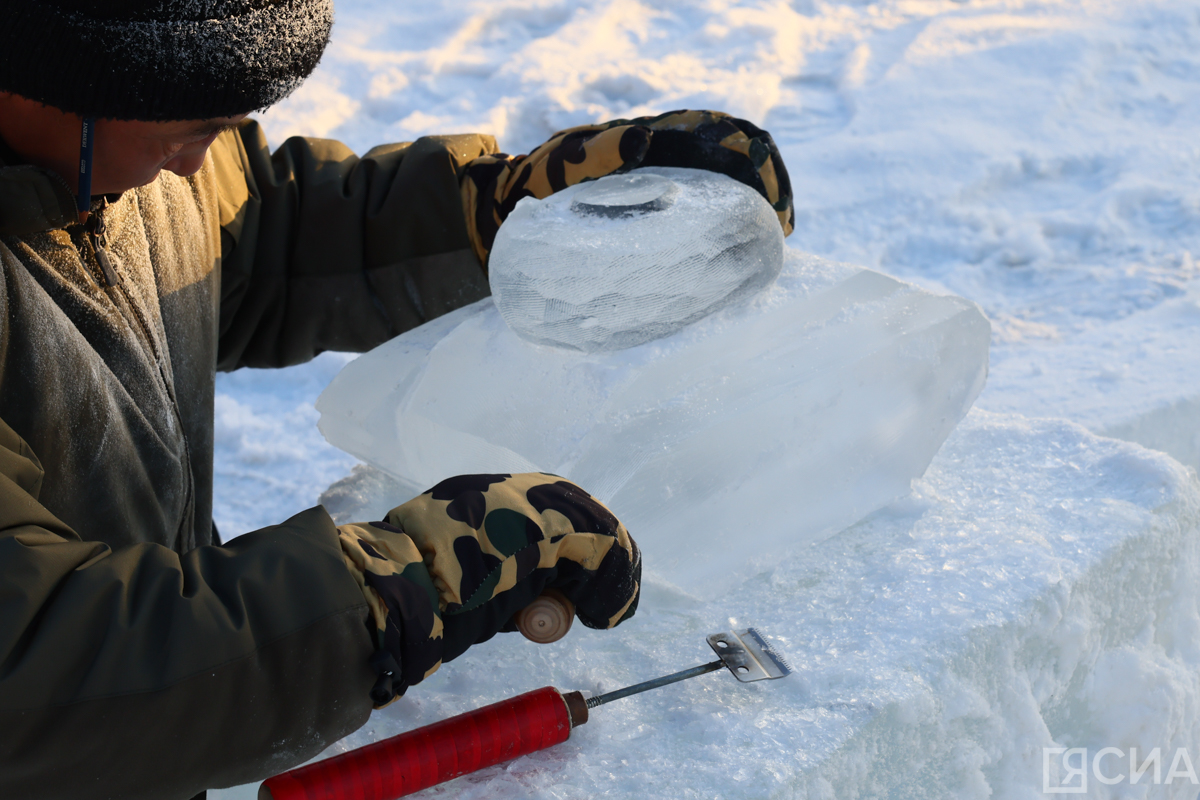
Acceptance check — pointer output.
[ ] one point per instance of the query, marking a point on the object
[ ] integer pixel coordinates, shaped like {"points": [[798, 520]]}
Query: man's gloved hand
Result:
{"points": [[492, 185], [450, 568]]}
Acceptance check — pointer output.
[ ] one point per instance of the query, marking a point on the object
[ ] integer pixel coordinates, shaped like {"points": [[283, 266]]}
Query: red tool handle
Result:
{"points": [[427, 756]]}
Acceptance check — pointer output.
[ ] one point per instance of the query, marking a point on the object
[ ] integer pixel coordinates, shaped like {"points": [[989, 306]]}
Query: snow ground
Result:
{"points": [[1038, 158], [1035, 589]]}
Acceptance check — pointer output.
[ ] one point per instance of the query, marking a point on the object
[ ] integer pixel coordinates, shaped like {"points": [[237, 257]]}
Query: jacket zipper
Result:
{"points": [[96, 235]]}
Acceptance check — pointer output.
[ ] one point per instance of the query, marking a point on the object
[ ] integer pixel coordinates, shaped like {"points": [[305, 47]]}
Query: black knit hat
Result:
{"points": [[160, 59]]}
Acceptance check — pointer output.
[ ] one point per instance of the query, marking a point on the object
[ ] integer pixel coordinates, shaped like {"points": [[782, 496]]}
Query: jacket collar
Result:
{"points": [[32, 199]]}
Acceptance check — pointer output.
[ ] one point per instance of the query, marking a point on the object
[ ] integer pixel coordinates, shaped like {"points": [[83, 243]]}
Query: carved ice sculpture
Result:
{"points": [[816, 400]]}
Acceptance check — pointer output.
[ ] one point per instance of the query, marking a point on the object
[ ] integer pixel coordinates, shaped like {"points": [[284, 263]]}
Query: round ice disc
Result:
{"points": [[625, 259]]}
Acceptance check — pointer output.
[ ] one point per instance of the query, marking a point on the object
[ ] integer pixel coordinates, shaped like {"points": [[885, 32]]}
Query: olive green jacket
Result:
{"points": [[136, 659]]}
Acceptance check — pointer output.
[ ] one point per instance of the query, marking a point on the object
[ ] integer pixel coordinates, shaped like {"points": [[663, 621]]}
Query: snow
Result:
{"points": [[268, 454], [1036, 588], [833, 389]]}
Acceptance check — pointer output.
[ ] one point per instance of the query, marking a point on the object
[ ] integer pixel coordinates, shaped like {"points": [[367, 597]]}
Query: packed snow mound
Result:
{"points": [[620, 261], [781, 420], [1036, 589]]}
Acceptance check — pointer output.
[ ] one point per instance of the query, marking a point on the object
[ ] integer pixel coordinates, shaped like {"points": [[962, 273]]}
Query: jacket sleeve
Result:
{"points": [[323, 250], [140, 673]]}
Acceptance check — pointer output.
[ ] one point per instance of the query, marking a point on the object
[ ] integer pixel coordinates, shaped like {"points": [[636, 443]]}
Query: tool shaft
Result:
{"points": [[427, 756], [638, 688]]}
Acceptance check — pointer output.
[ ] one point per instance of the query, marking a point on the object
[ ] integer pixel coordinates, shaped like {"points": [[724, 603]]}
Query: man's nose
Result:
{"points": [[189, 160], [184, 166]]}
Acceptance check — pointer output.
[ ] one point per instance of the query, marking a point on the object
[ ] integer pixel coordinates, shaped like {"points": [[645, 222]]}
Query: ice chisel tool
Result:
{"points": [[487, 736]]}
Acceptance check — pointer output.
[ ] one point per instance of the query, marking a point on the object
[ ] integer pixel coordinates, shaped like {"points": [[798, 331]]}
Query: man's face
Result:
{"points": [[131, 154], [127, 154]]}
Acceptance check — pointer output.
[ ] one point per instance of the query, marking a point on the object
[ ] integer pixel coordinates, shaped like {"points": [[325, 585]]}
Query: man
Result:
{"points": [[137, 657]]}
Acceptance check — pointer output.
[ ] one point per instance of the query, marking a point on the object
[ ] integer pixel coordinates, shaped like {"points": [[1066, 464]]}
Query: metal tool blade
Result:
{"points": [[749, 656], [746, 653]]}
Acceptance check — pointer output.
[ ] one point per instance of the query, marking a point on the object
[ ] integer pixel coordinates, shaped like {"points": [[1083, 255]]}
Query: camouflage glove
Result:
{"points": [[450, 568], [492, 185]]}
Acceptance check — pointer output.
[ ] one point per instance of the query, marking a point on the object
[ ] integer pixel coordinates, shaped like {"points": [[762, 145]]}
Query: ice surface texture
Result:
{"points": [[613, 263], [822, 398]]}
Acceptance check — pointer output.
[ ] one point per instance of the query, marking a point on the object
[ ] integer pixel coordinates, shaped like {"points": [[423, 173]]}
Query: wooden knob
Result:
{"points": [[546, 619]]}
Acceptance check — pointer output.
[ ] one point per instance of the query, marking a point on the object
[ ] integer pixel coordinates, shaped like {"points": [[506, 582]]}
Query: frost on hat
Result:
{"points": [[160, 59]]}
